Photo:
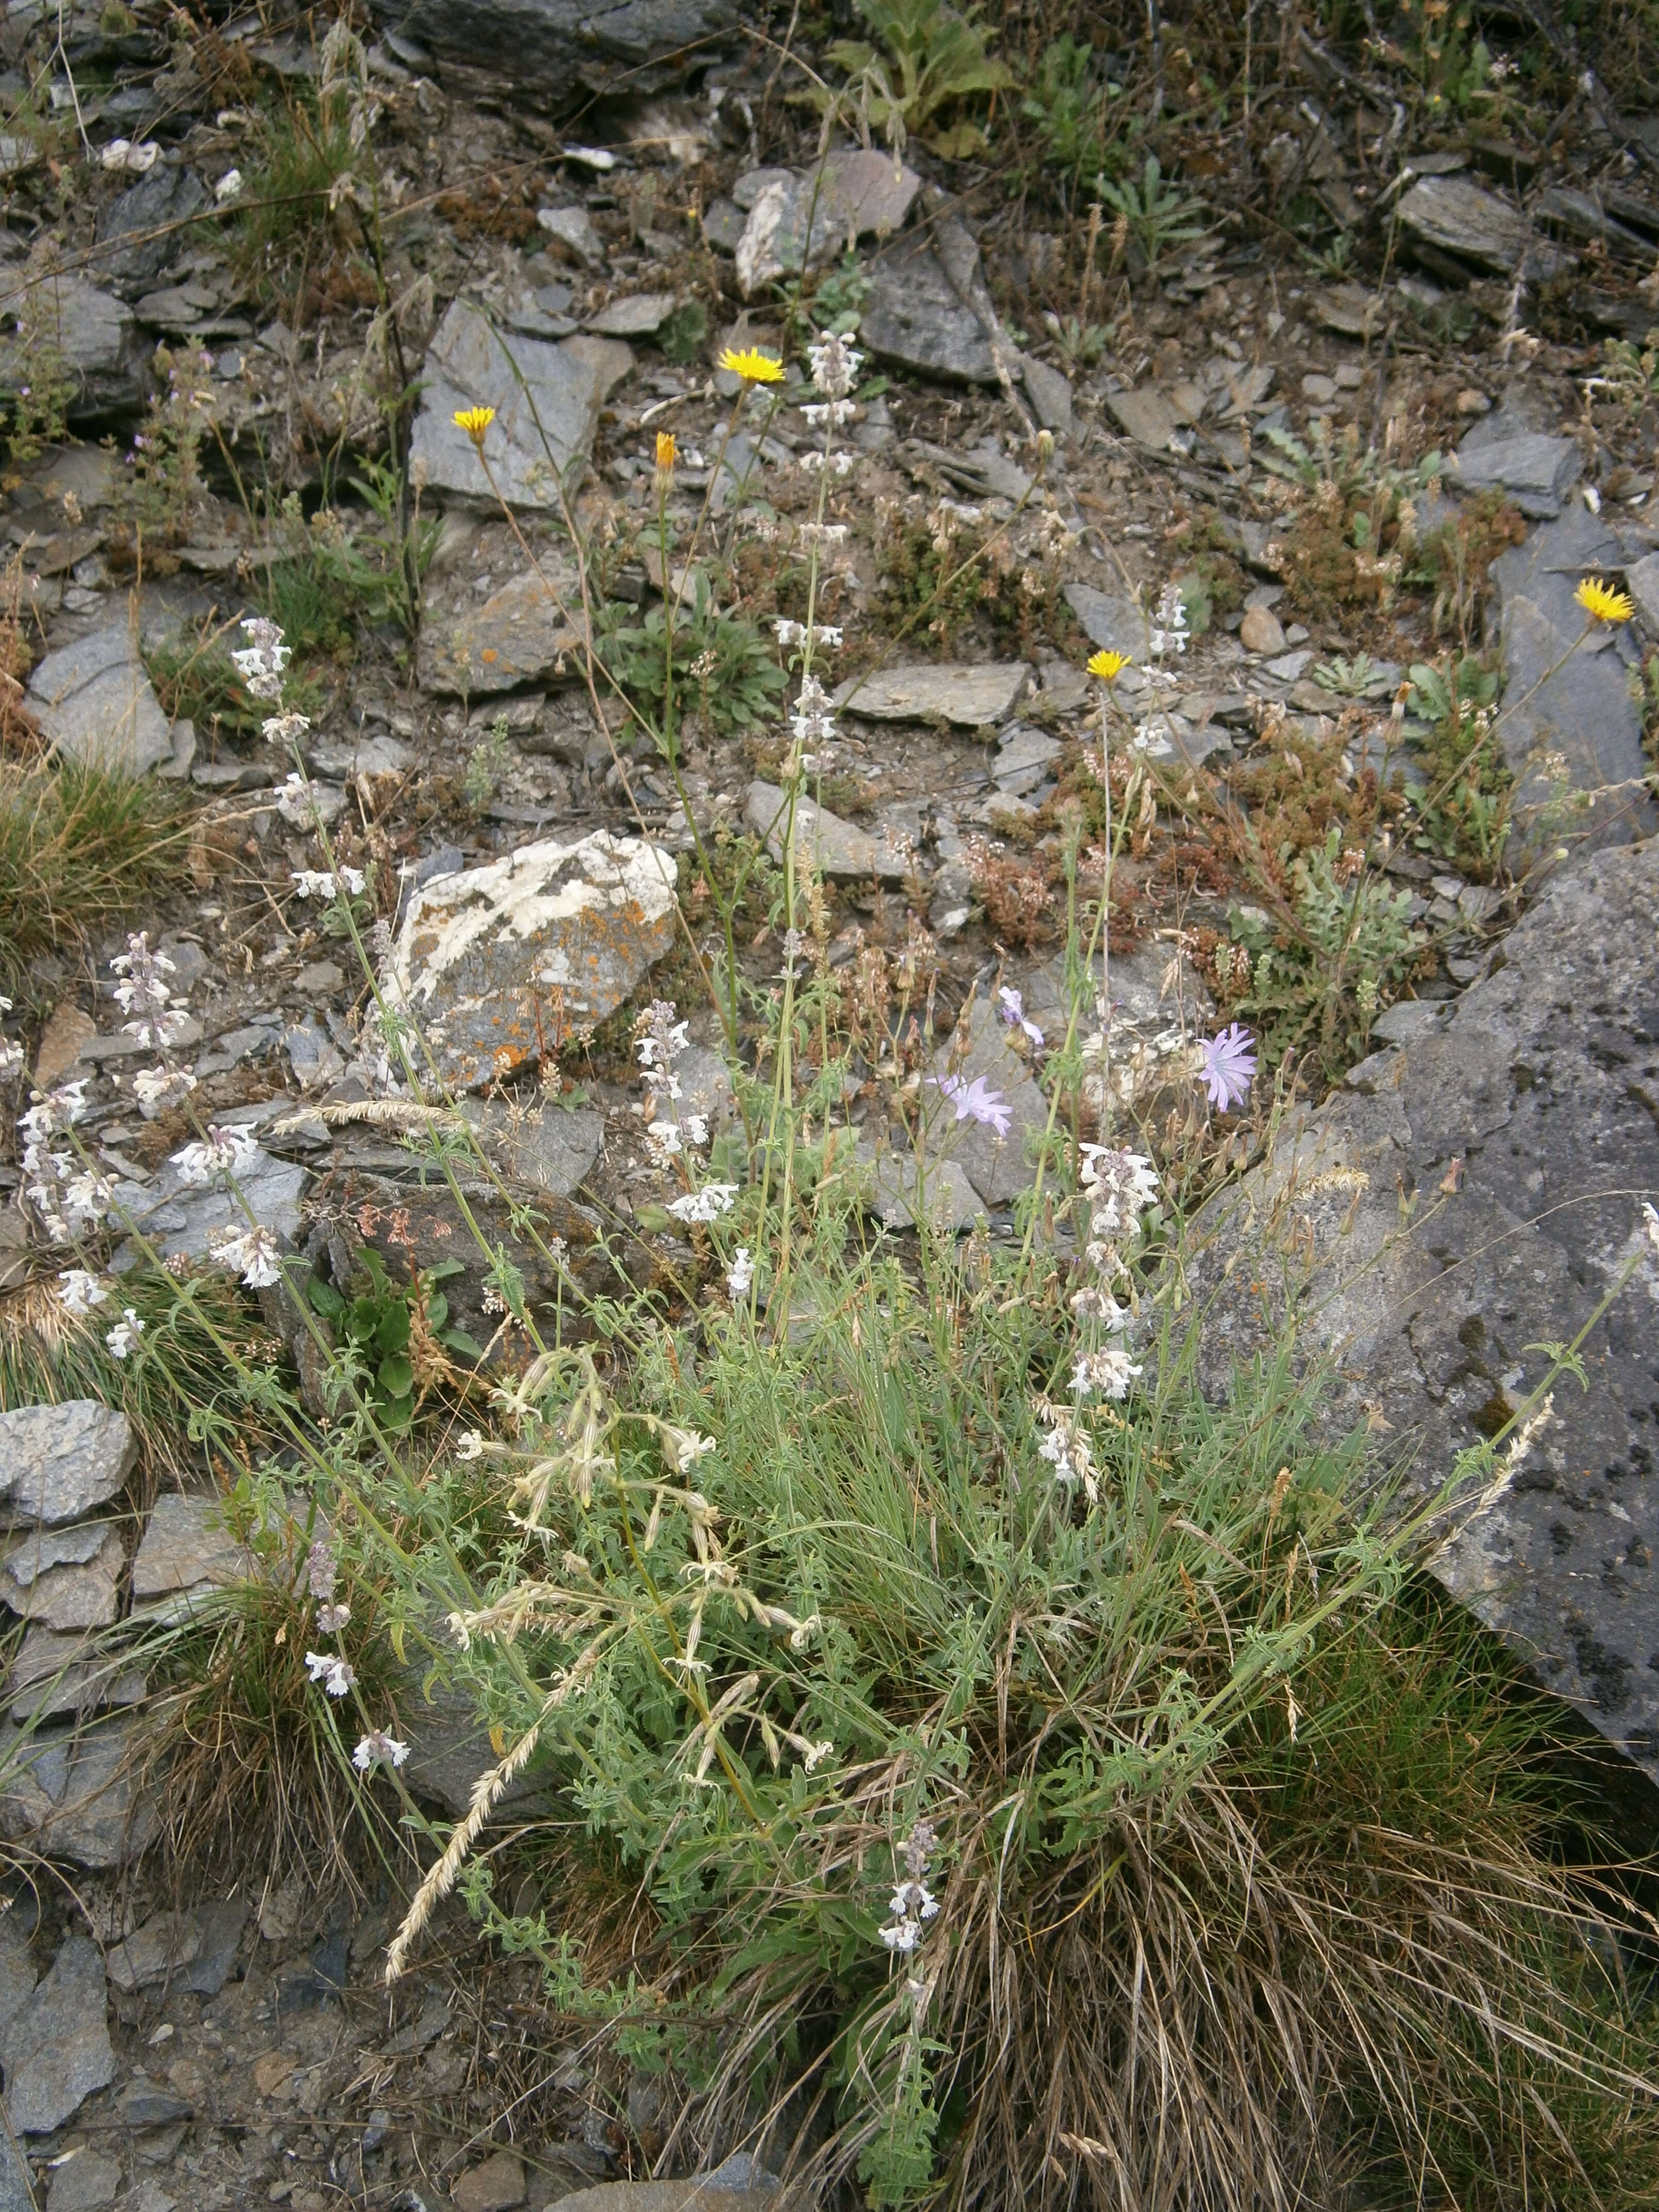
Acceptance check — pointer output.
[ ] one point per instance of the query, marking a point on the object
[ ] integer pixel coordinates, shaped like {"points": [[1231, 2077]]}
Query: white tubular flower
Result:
{"points": [[836, 412], [122, 1339], [706, 1204], [903, 1935], [823, 533], [331, 1619], [665, 1136], [82, 1291], [221, 1152], [296, 795], [1169, 633], [157, 1088], [254, 1254], [697, 1129], [11, 1059], [285, 730], [469, 1445], [333, 1672], [1066, 1448], [141, 989], [229, 188], [1106, 1373], [86, 1199], [740, 1274], [790, 633], [835, 365], [377, 1748], [1121, 1185], [262, 660], [52, 1111], [319, 882], [812, 721], [661, 1039]]}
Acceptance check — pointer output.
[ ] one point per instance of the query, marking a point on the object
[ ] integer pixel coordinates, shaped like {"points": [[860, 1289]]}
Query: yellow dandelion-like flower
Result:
{"points": [[1107, 665], [664, 449], [753, 367], [475, 421], [1602, 603]]}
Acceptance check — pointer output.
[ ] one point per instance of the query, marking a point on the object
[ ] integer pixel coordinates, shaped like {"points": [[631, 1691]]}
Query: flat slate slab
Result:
{"points": [[56, 2049], [547, 399], [928, 309], [58, 1464], [797, 219], [74, 1796], [93, 700], [1541, 1082], [499, 963], [932, 691], [1532, 468], [838, 847], [518, 635]]}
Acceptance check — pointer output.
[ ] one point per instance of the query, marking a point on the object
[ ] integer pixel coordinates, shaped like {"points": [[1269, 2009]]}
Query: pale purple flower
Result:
{"points": [[1013, 1005], [1229, 1065], [377, 1748], [320, 1569], [974, 1102], [1120, 1184], [11, 1059], [331, 1671], [835, 365], [331, 1619], [55, 1110]]}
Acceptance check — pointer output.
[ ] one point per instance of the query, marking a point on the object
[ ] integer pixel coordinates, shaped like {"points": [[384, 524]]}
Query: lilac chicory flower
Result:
{"points": [[1229, 1065], [974, 1102]]}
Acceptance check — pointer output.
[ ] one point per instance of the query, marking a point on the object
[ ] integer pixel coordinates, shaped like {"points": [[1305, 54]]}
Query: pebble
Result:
{"points": [[1261, 631], [1320, 389]]}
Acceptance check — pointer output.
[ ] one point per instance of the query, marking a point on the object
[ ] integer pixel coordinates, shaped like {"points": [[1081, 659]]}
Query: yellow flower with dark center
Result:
{"points": [[665, 450], [1602, 603], [1107, 665], [475, 421], [753, 367]]}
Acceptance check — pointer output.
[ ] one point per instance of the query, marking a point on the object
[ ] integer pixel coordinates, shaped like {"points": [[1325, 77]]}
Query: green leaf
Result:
{"points": [[395, 1376]]}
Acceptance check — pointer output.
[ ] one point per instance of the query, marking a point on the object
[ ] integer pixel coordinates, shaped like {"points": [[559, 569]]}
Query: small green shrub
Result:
{"points": [[1463, 791], [79, 847], [1158, 215], [724, 665], [1068, 103], [936, 63]]}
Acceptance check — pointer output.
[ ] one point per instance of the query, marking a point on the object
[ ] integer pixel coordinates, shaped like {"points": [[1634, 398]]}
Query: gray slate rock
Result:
{"points": [[73, 1795], [1457, 216], [517, 636], [998, 1168], [562, 389], [93, 702], [543, 45], [1535, 471], [928, 310], [546, 1145], [58, 1464], [94, 335], [840, 848], [798, 220], [56, 2050], [1116, 624], [1584, 709], [140, 230], [185, 1551], [180, 1218], [51, 1675], [155, 1951], [969, 696], [495, 961], [1643, 579], [66, 1579], [688, 2196], [1541, 1079]]}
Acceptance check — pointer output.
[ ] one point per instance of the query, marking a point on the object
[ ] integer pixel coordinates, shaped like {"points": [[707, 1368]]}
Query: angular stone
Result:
{"points": [[1116, 624], [1535, 471], [59, 1462], [497, 2185], [969, 696], [17, 1973], [572, 227], [495, 962], [1024, 758], [853, 194], [142, 229], [1146, 417], [86, 2183], [1261, 631], [547, 45], [67, 1579], [153, 1953], [998, 1167], [73, 1795], [1159, 1009], [1460, 216], [1566, 696], [186, 1549], [890, 1185], [691, 2195], [928, 310], [518, 635], [545, 1145], [51, 1675], [1049, 391], [1351, 309], [838, 847], [538, 390], [1643, 579], [93, 700], [641, 315], [1538, 1081], [180, 1218], [56, 2050]]}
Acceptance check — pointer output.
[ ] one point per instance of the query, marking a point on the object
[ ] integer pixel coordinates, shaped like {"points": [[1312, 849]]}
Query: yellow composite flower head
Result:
{"points": [[664, 449], [753, 367], [1602, 603], [1107, 665], [475, 421]]}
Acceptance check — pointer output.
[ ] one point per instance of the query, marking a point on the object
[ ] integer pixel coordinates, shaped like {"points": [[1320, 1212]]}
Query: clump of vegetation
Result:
{"points": [[1068, 101], [935, 65], [1153, 213], [1462, 790], [1355, 523], [721, 664], [79, 847], [944, 565]]}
